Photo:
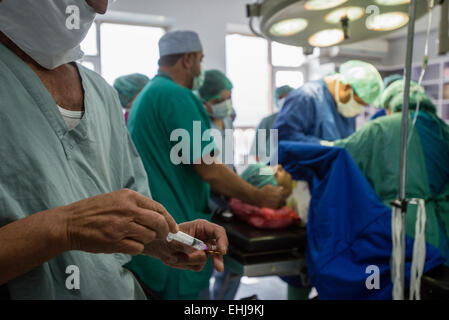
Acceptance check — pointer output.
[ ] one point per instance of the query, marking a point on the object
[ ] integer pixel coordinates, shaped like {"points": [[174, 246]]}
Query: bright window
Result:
{"points": [[286, 56], [89, 44], [294, 79], [129, 49], [248, 69], [88, 65]]}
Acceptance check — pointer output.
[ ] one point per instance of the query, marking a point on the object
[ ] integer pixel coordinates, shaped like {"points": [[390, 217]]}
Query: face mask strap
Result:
{"points": [[337, 91]]}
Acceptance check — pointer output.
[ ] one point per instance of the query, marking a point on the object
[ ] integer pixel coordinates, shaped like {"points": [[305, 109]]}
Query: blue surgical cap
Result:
{"points": [[259, 175], [215, 82], [128, 86], [390, 79], [393, 97], [281, 91], [177, 42]]}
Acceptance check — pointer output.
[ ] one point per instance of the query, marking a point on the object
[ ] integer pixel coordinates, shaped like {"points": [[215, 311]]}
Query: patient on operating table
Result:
{"points": [[296, 193]]}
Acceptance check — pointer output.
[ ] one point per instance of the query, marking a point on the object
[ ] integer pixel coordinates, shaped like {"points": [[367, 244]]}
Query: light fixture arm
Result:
{"points": [[345, 26], [254, 10]]}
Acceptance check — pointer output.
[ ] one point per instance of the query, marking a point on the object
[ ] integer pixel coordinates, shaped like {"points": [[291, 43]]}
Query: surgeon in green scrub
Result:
{"points": [[74, 197], [376, 150], [216, 95], [169, 126]]}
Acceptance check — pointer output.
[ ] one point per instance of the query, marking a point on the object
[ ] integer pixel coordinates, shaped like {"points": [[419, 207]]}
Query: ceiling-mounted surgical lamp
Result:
{"points": [[326, 23], [323, 4]]}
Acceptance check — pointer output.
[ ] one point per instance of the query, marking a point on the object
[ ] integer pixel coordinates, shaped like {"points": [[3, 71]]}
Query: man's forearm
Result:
{"points": [[225, 181], [28, 243]]}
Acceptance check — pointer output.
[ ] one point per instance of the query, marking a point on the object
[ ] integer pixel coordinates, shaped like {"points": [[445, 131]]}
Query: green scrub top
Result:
{"points": [[163, 116], [376, 150], [45, 166]]}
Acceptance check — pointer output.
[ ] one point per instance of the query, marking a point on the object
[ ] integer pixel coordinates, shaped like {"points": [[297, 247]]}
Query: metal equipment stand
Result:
{"points": [[402, 202]]}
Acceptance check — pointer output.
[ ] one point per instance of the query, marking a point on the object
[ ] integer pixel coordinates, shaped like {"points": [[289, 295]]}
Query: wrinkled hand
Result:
{"points": [[271, 197], [119, 222], [180, 256]]}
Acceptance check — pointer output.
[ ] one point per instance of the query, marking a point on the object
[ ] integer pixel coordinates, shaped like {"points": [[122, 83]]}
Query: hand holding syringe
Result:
{"points": [[192, 242]]}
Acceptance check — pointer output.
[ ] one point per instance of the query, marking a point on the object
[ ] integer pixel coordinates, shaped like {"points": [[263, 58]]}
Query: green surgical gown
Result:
{"points": [[376, 150], [165, 115], [43, 166]]}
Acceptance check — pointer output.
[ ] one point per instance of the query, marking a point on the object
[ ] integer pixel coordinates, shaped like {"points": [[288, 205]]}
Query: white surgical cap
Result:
{"points": [[177, 42]]}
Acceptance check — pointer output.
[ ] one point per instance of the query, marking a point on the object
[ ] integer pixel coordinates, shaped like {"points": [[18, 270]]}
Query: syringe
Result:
{"points": [[187, 240]]}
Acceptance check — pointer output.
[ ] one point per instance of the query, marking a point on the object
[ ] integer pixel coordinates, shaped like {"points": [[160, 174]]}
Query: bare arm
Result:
{"points": [[118, 222], [224, 181], [29, 242]]}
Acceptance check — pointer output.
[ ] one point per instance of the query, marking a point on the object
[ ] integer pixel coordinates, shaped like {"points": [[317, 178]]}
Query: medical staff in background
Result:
{"points": [[376, 150], [325, 110], [280, 94], [216, 95], [168, 124], [128, 87], [385, 110]]}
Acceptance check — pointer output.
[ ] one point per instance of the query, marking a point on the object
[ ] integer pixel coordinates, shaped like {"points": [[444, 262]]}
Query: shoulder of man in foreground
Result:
{"points": [[99, 83]]}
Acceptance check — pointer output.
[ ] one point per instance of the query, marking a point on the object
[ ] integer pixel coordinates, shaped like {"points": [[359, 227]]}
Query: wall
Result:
{"points": [[207, 17], [398, 46], [398, 41], [210, 19]]}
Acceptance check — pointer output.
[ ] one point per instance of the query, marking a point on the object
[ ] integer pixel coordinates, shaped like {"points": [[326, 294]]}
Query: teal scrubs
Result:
{"points": [[45, 166], [434, 137], [376, 150], [169, 125]]}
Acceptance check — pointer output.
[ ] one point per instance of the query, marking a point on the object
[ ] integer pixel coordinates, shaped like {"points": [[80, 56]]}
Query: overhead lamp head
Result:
{"points": [[387, 21], [323, 4], [347, 16], [352, 13], [289, 27], [392, 2], [327, 38]]}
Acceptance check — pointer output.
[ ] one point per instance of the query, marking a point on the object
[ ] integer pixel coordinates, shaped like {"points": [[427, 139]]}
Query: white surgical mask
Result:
{"points": [[280, 103], [198, 81], [49, 31], [221, 110], [350, 109]]}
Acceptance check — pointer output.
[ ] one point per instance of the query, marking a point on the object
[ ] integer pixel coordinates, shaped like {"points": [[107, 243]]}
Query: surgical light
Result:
{"points": [[323, 4], [387, 21], [288, 27], [392, 2], [353, 13], [276, 20], [327, 38]]}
